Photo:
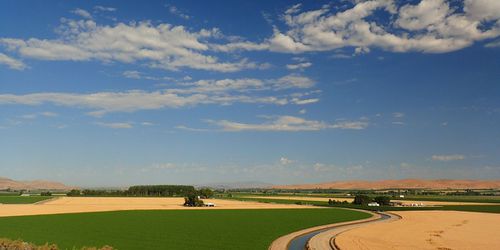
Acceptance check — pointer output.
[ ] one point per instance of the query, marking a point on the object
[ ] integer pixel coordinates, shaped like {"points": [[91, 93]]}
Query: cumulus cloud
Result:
{"points": [[431, 26], [288, 124], [11, 62], [162, 46], [454, 157]]}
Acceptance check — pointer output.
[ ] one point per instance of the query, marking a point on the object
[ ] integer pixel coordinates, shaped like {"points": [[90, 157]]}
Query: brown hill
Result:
{"points": [[6, 183], [406, 183]]}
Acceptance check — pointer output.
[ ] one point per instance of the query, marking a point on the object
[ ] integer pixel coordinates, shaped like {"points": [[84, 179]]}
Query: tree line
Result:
{"points": [[147, 191]]}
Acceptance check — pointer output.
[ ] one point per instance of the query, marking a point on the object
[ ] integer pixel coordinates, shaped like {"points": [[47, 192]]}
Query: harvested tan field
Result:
{"points": [[436, 230], [99, 204], [405, 202]]}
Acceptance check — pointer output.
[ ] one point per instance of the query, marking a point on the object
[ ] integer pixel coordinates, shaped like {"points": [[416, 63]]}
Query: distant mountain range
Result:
{"points": [[6, 183], [236, 185], [401, 184]]}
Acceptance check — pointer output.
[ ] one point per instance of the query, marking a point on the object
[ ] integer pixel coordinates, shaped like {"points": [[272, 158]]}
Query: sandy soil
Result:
{"points": [[427, 203], [97, 204], [437, 230]]}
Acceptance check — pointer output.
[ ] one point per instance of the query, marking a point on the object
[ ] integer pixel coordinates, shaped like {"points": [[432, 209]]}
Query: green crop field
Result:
{"points": [[468, 208], [10, 199], [452, 198], [170, 229]]}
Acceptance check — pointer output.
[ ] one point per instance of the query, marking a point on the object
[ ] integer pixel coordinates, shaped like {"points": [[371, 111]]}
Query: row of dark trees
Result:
{"points": [[147, 191], [160, 190], [365, 199]]}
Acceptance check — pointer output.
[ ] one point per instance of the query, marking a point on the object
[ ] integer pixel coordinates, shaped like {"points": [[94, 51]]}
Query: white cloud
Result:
{"points": [[294, 81], [341, 56], [81, 12], [147, 124], [175, 11], [285, 161], [299, 66], [162, 46], [299, 101], [289, 124], [104, 8], [101, 103], [429, 26], [116, 125], [183, 127], [36, 115], [302, 111], [49, 114], [11, 62], [29, 116], [398, 115], [482, 9], [133, 74], [422, 15], [454, 157]]}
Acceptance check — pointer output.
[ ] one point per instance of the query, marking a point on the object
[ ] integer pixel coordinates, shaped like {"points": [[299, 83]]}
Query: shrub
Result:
{"points": [[74, 192], [192, 200], [7, 244]]}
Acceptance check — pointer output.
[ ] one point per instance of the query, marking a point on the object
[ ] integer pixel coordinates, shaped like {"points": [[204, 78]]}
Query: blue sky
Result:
{"points": [[96, 93]]}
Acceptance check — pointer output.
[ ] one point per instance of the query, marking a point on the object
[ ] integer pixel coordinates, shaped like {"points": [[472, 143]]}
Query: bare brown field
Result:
{"points": [[100, 204], [436, 230], [405, 202]]}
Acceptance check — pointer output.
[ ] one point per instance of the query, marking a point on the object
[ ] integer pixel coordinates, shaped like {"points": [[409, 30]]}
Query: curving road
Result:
{"points": [[323, 237], [326, 239]]}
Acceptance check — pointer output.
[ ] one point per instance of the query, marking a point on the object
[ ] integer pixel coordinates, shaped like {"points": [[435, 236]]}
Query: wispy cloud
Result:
{"points": [[398, 115], [285, 161], [288, 124], [221, 92], [299, 66], [115, 125], [183, 127], [453, 157], [104, 8], [36, 115], [175, 11], [11, 62]]}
